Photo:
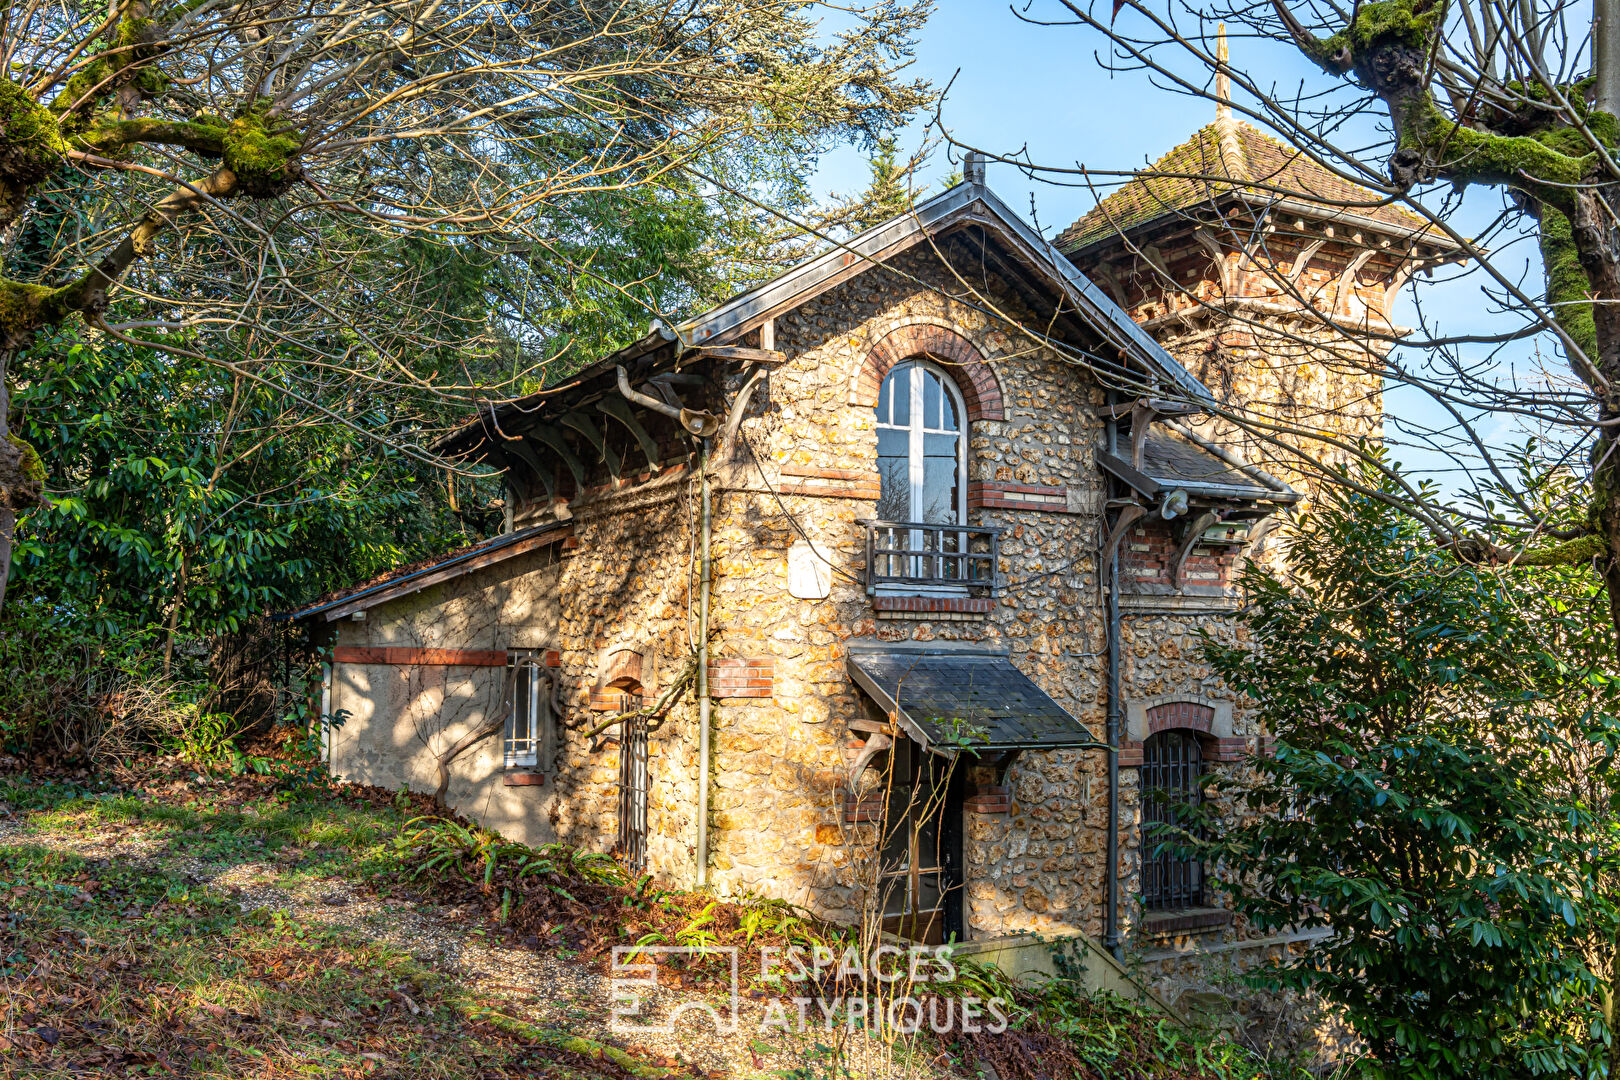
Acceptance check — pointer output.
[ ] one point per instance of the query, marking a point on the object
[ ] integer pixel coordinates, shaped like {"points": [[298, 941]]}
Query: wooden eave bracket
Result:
{"points": [[1121, 469], [559, 446], [1194, 530], [525, 453], [582, 424], [1128, 516], [875, 745], [620, 410]]}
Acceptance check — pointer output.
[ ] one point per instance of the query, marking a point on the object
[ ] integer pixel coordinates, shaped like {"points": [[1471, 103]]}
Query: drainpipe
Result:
{"points": [[703, 686], [701, 426], [1111, 940]]}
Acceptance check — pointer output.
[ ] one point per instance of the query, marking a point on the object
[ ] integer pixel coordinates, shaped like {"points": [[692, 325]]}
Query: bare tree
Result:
{"points": [[258, 170], [1420, 101]]}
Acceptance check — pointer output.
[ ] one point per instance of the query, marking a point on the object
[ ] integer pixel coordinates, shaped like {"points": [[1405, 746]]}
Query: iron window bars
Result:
{"points": [[918, 554], [1172, 762]]}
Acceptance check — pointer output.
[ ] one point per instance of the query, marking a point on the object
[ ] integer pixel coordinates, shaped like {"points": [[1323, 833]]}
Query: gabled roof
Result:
{"points": [[413, 577], [1246, 164], [966, 203]]}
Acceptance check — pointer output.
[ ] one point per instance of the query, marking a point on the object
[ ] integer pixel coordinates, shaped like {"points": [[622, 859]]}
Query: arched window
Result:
{"points": [[922, 446], [922, 470], [1172, 762]]}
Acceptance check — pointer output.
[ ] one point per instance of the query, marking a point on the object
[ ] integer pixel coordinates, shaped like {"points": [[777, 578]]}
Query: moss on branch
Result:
{"points": [[22, 474], [31, 147], [1582, 549], [1386, 23], [264, 162], [25, 309], [205, 135], [1569, 291]]}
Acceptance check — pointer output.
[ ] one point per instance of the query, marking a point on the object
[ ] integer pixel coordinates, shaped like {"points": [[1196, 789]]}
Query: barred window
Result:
{"points": [[530, 711], [1172, 762]]}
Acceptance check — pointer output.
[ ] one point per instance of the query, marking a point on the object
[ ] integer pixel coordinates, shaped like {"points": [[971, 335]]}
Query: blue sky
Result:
{"points": [[1014, 86]]}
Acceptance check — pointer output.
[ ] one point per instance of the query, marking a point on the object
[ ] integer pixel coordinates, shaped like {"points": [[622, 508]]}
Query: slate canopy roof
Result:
{"points": [[951, 698]]}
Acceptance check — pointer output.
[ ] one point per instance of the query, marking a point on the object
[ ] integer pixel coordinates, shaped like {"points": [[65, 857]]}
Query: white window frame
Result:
{"points": [[917, 431], [528, 709]]}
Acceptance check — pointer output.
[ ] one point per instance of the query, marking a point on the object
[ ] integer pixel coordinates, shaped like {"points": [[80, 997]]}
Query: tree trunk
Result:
{"points": [[1599, 250], [8, 516]]}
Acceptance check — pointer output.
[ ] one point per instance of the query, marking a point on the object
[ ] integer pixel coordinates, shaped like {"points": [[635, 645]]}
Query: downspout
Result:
{"points": [[703, 427], [1111, 940], [703, 685]]}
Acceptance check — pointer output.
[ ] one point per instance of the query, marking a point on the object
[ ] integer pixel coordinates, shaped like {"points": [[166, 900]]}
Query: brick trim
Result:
{"points": [[866, 810], [614, 701], [1161, 923], [523, 779], [1226, 750], [364, 654], [981, 392], [738, 677], [989, 799], [989, 494], [965, 605]]}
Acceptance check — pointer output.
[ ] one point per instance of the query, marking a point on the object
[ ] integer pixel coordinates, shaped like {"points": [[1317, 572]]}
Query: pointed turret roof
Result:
{"points": [[1230, 160]]}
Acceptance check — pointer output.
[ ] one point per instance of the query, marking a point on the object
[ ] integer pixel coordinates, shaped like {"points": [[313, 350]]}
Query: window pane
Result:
{"points": [[897, 389], [885, 398], [949, 419], [940, 479], [932, 393], [894, 475]]}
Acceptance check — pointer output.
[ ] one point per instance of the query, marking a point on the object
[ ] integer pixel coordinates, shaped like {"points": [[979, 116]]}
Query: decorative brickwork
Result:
{"points": [[742, 678], [829, 483], [932, 605], [1187, 715], [974, 377], [614, 701], [1002, 496]]}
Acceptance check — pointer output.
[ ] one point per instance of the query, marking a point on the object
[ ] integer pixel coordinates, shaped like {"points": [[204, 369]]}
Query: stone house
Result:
{"points": [[879, 587]]}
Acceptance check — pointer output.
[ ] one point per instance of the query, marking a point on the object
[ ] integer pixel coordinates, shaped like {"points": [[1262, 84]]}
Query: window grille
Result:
{"points": [[528, 716], [1172, 762]]}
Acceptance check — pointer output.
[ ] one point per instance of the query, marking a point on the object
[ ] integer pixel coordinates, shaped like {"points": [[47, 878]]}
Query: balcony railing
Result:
{"points": [[915, 553]]}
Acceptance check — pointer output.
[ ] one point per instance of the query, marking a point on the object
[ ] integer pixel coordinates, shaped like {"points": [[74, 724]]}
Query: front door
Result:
{"points": [[920, 872]]}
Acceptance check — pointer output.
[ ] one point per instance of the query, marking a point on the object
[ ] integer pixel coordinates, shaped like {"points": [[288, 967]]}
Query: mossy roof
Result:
{"points": [[1195, 173]]}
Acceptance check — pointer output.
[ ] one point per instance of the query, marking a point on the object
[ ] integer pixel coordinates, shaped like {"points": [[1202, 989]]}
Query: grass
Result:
{"points": [[118, 968], [113, 969]]}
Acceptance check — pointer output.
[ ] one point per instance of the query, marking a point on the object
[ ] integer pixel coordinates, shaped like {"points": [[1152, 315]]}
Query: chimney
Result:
{"points": [[973, 167]]}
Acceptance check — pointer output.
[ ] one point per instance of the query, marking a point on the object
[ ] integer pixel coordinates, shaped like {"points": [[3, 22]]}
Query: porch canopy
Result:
{"points": [[952, 698]]}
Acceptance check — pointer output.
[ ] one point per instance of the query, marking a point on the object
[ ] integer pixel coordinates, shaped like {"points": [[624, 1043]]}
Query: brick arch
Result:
{"points": [[1185, 715], [981, 392], [623, 670]]}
